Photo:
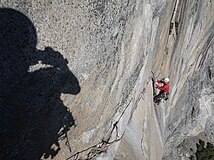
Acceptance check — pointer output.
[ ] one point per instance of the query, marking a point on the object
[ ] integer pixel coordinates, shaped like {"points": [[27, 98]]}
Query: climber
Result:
{"points": [[162, 87]]}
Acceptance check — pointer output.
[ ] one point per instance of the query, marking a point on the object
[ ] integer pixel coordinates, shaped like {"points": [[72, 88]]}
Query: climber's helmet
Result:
{"points": [[166, 80]]}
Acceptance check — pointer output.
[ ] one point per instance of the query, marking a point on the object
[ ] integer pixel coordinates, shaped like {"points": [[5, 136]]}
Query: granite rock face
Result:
{"points": [[76, 79]]}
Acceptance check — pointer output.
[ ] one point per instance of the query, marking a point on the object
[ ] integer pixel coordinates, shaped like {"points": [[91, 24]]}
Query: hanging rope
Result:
{"points": [[103, 146], [117, 132], [145, 88], [97, 149]]}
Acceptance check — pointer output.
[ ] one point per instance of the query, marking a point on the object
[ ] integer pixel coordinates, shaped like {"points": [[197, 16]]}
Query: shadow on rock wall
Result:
{"points": [[33, 117]]}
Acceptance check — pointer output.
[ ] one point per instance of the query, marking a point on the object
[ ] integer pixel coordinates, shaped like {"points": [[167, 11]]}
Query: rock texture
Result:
{"points": [[76, 78]]}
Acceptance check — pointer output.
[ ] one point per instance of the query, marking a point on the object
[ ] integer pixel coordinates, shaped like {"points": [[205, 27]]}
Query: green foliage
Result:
{"points": [[203, 153]]}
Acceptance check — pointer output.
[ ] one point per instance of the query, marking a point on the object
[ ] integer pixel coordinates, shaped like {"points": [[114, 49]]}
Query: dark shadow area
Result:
{"points": [[204, 153], [32, 115], [161, 96]]}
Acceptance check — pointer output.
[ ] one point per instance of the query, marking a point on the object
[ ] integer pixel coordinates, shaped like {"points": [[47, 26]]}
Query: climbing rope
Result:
{"points": [[145, 88], [103, 146], [96, 150], [117, 132]]}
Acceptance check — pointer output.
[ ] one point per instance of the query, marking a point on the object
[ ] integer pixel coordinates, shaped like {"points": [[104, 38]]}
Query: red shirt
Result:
{"points": [[165, 86]]}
